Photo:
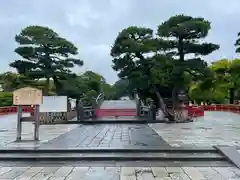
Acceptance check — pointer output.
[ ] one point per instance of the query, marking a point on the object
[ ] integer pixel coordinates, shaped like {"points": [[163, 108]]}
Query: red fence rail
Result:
{"points": [[116, 112], [194, 111], [223, 107], [13, 109]]}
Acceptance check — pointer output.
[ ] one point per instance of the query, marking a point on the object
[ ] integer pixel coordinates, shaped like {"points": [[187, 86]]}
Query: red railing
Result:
{"points": [[13, 109], [116, 112], [223, 107], [193, 111], [196, 111]]}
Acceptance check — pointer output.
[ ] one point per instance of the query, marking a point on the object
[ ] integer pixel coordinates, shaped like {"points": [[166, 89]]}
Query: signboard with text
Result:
{"points": [[27, 96]]}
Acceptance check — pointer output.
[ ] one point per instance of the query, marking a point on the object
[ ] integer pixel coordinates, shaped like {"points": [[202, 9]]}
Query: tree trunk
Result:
{"points": [[174, 97], [69, 105], [231, 99], [77, 109], [162, 105], [46, 87], [178, 110], [57, 85]]}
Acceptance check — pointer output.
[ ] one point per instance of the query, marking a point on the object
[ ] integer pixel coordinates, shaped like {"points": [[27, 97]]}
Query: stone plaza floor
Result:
{"points": [[215, 128], [119, 173], [47, 132]]}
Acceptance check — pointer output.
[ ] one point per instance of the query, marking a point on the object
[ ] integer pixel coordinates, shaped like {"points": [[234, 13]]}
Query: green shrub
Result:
{"points": [[6, 99]]}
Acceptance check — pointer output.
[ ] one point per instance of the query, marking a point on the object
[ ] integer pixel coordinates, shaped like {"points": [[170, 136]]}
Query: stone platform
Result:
{"points": [[215, 128], [118, 173]]}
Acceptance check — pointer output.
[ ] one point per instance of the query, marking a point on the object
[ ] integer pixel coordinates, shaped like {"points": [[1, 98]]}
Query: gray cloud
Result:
{"points": [[93, 25]]}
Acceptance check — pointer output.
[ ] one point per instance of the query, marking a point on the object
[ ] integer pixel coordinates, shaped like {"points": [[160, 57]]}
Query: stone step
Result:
{"points": [[181, 150], [112, 157]]}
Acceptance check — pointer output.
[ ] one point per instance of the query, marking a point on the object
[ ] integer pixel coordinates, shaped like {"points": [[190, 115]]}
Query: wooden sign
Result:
{"points": [[27, 96]]}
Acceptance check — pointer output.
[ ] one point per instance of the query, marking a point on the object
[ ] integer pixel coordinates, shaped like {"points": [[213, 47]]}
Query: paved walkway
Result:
{"points": [[47, 132], [119, 173], [215, 128], [64, 136], [108, 135]]}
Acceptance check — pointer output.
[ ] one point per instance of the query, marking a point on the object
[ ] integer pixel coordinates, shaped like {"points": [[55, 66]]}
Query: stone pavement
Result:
{"points": [[215, 128], [108, 135], [119, 173], [47, 132], [64, 136]]}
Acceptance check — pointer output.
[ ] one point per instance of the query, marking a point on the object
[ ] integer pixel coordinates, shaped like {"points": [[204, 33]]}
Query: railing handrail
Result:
{"points": [[101, 95]]}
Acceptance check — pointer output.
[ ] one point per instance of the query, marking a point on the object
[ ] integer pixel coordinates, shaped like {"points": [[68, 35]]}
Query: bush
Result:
{"points": [[6, 99]]}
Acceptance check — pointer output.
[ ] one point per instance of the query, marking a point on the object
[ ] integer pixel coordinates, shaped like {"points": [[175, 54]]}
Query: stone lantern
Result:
{"points": [[183, 112], [182, 97]]}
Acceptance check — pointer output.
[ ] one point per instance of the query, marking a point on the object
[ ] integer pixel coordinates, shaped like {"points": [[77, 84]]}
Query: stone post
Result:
{"points": [[19, 123]]}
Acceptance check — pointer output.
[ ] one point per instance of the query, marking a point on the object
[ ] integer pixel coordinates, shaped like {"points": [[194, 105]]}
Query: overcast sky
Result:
{"points": [[92, 25]]}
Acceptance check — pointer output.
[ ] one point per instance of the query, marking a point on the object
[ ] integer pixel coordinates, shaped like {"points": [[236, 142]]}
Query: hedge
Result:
{"points": [[6, 99]]}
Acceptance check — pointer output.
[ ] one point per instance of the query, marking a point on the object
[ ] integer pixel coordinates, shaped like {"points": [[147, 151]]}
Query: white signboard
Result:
{"points": [[54, 104]]}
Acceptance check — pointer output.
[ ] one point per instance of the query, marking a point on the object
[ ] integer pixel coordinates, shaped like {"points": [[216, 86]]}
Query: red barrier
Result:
{"points": [[195, 111], [116, 112], [13, 109], [223, 107]]}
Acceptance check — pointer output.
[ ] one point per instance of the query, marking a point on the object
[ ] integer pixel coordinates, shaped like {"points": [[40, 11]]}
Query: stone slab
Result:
{"points": [[231, 153]]}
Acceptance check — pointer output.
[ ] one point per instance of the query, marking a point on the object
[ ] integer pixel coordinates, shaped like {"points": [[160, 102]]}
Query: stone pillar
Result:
{"points": [[37, 123], [19, 123]]}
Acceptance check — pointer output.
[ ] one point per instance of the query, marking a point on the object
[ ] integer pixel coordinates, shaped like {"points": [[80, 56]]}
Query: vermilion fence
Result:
{"points": [[13, 109], [194, 111], [116, 112], [223, 107]]}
